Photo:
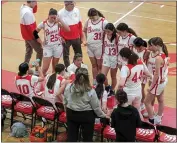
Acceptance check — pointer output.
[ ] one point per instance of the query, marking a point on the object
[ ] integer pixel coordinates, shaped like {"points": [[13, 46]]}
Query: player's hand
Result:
{"points": [[104, 109], [85, 43], [58, 20]]}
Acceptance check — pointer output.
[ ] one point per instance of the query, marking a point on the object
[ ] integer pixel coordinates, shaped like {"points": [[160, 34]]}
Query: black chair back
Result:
{"points": [[145, 125], [59, 106], [43, 102], [167, 130], [21, 97], [4, 92]]}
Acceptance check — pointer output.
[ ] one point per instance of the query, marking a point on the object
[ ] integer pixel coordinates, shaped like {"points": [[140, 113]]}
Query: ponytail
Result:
{"points": [[99, 90], [51, 81], [130, 30], [164, 48], [100, 14]]}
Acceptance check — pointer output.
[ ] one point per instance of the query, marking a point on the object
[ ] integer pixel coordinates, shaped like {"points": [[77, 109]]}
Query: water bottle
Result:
{"points": [[33, 64]]}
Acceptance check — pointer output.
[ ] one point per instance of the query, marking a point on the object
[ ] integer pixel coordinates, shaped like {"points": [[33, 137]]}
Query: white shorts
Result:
{"points": [[159, 88], [134, 97], [110, 61], [95, 51], [120, 61], [55, 51]]}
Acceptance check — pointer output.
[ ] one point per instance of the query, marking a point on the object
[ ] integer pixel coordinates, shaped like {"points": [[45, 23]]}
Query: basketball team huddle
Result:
{"points": [[109, 48]]}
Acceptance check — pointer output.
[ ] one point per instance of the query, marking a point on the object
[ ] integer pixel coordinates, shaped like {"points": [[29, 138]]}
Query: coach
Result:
{"points": [[27, 26], [71, 16]]}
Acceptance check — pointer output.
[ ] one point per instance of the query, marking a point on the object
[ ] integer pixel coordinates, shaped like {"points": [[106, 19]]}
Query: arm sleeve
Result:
{"points": [[94, 102], [41, 25], [113, 120]]}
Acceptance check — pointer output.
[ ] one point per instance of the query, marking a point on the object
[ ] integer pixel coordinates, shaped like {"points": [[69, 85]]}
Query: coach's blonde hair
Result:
{"points": [[82, 82]]}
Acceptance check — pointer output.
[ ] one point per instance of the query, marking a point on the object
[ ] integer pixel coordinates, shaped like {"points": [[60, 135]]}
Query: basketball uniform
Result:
{"points": [[51, 94], [132, 86], [52, 41], [142, 58], [125, 42], [95, 37], [110, 52], [158, 88], [72, 68], [26, 84]]}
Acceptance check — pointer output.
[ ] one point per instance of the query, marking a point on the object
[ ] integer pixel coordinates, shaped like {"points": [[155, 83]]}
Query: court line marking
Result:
{"points": [[16, 39], [128, 13], [118, 13]]}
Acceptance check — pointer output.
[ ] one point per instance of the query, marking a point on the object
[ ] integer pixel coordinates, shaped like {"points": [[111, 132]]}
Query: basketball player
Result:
{"points": [[130, 77], [93, 30], [143, 54], [55, 84], [158, 65], [52, 45], [110, 53], [26, 83], [77, 63], [127, 36]]}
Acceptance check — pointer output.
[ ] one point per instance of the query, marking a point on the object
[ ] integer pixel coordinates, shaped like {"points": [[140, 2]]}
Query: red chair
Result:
{"points": [[46, 110], [61, 119], [166, 134], [109, 133], [25, 106], [146, 133]]}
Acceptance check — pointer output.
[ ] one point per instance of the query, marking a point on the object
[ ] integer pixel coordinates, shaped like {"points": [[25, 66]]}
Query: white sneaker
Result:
{"points": [[44, 121], [36, 73], [157, 120], [145, 114], [142, 107]]}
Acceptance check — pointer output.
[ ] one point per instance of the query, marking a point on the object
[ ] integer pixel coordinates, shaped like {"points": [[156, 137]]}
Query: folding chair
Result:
{"points": [[61, 119], [46, 110], [146, 133], [166, 134], [25, 106]]}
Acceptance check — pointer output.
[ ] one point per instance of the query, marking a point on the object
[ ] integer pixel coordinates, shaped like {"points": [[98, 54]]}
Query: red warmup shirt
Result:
{"points": [[73, 20], [27, 22]]}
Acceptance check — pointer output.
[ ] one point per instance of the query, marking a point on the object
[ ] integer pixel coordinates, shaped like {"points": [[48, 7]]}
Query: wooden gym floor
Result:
{"points": [[148, 19]]}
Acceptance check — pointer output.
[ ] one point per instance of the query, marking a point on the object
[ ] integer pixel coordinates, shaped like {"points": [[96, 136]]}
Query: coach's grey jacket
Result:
{"points": [[78, 102]]}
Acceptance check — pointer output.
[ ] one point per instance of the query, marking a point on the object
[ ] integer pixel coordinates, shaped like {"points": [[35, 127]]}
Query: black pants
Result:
{"points": [[83, 119], [76, 44]]}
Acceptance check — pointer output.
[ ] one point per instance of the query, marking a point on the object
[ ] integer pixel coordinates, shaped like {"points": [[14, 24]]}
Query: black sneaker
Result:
{"points": [[151, 121], [112, 92], [108, 88]]}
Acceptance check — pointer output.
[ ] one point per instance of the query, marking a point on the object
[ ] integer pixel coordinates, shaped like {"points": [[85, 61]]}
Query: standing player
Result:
{"points": [[26, 83], [55, 84], [143, 54], [130, 77], [110, 54], [127, 36], [93, 30], [158, 66], [53, 48]]}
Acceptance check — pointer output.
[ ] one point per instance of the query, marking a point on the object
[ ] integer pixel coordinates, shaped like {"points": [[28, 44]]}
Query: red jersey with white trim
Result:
{"points": [[51, 33], [95, 31], [163, 69], [48, 93], [110, 48], [126, 42], [133, 74], [26, 84]]}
